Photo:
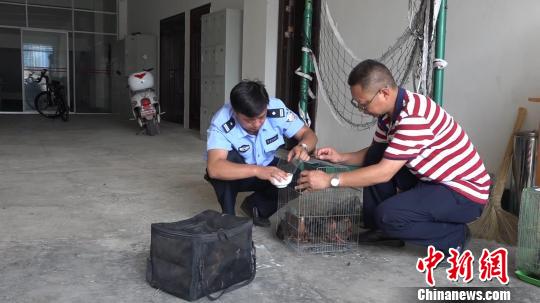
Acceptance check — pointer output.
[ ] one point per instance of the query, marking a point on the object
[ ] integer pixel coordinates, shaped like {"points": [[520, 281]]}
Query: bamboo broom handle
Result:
{"points": [[502, 174], [537, 183]]}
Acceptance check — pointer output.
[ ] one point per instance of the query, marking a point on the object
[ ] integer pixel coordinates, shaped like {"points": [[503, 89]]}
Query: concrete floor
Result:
{"points": [[77, 200]]}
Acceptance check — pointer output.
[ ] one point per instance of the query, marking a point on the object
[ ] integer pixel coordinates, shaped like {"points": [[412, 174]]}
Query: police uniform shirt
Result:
{"points": [[226, 133]]}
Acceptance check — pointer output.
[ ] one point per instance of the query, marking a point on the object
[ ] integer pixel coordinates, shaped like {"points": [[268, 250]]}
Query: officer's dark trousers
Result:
{"points": [[421, 213], [264, 196]]}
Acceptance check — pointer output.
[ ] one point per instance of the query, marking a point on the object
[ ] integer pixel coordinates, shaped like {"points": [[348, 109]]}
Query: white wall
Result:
{"points": [[271, 54], [145, 16], [492, 49], [259, 48]]}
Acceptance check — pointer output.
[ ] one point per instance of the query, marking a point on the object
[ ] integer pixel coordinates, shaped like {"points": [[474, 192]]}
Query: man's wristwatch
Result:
{"points": [[334, 182], [305, 147]]}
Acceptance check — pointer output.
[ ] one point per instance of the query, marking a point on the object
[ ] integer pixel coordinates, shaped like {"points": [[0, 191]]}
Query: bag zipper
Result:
{"points": [[212, 235]]}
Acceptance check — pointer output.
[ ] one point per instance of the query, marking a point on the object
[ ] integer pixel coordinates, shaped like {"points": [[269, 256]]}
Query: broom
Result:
{"points": [[495, 223]]}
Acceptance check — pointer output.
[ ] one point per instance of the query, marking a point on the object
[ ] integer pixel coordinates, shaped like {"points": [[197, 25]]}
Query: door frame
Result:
{"points": [[182, 60], [197, 12], [67, 85], [22, 74], [285, 69]]}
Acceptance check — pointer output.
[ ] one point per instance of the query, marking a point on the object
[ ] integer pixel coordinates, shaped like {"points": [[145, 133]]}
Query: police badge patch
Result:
{"points": [[244, 148], [229, 125], [291, 116]]}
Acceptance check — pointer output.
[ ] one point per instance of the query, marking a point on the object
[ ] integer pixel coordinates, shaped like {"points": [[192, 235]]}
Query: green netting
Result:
{"points": [[409, 59]]}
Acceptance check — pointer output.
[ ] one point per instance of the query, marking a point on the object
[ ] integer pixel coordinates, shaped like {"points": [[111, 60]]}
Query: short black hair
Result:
{"points": [[249, 98], [371, 74]]}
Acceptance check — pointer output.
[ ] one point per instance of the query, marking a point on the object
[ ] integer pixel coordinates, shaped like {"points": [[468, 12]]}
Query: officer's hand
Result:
{"points": [[271, 172], [312, 180], [328, 154], [298, 152]]}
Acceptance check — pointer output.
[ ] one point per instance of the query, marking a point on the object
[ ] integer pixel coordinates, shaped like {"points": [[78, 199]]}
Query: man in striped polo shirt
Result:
{"points": [[423, 179]]}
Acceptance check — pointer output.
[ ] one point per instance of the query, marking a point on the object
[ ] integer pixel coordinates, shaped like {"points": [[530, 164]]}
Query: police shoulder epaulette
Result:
{"points": [[229, 125], [275, 113]]}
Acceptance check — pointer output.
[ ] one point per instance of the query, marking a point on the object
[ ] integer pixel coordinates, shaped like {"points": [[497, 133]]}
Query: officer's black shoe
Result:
{"points": [[253, 213], [376, 237]]}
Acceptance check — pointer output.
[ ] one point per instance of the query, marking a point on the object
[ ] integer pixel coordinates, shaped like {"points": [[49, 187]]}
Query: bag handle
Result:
{"points": [[238, 285], [222, 235]]}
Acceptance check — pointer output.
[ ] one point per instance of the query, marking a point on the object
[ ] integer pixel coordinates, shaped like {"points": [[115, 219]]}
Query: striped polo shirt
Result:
{"points": [[436, 148]]}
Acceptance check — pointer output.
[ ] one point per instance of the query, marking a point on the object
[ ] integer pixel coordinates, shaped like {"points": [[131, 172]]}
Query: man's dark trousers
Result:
{"points": [[421, 213], [264, 197]]}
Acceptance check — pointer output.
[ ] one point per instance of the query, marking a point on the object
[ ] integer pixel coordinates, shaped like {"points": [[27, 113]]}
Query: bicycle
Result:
{"points": [[50, 102]]}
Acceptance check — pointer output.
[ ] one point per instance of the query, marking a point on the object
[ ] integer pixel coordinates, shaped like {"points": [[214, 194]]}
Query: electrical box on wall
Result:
{"points": [[221, 61]]}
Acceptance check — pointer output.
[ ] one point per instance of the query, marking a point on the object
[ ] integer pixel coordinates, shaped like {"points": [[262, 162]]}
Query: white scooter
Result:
{"points": [[144, 101]]}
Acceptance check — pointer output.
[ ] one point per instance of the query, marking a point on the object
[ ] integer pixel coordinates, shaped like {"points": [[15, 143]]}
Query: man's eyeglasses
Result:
{"points": [[363, 107]]}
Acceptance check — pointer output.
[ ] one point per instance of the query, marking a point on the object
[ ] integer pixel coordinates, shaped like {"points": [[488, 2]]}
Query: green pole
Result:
{"points": [[306, 67], [438, 75]]}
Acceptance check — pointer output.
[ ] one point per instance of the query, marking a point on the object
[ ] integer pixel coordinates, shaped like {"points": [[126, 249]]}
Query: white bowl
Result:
{"points": [[282, 184]]}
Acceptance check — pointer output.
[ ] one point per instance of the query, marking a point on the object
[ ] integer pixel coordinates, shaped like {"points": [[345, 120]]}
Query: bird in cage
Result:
{"points": [[339, 231]]}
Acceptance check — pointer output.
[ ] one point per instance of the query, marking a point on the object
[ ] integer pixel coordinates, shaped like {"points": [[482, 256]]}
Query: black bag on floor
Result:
{"points": [[197, 257]]}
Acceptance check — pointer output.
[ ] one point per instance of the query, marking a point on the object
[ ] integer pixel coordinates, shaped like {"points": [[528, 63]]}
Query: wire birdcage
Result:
{"points": [[325, 221]]}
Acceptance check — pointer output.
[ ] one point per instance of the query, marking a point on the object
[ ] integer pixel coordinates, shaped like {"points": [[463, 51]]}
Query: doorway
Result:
{"points": [[195, 65], [171, 68], [43, 50], [290, 29], [11, 95]]}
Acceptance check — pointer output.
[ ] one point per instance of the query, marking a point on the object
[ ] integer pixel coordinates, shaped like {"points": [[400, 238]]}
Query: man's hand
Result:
{"points": [[313, 180], [270, 172], [329, 154], [298, 152]]}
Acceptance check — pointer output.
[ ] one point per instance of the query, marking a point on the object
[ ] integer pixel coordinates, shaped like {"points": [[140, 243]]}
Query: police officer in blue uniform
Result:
{"points": [[243, 138]]}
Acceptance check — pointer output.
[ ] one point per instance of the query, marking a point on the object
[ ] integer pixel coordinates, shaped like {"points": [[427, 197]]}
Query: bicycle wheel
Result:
{"points": [[46, 105], [63, 109]]}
